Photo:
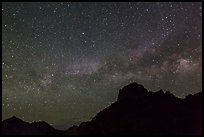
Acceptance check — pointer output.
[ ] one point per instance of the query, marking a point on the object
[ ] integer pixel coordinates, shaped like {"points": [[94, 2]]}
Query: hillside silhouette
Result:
{"points": [[15, 126], [137, 111]]}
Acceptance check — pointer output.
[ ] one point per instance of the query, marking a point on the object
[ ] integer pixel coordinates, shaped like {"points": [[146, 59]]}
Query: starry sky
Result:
{"points": [[64, 62]]}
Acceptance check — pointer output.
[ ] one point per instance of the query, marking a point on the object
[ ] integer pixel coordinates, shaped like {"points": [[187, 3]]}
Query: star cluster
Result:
{"points": [[62, 62]]}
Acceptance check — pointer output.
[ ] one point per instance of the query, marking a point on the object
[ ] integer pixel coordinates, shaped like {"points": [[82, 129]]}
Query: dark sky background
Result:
{"points": [[64, 62]]}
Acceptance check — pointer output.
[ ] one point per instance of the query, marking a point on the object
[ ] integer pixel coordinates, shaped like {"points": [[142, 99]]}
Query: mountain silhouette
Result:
{"points": [[137, 111], [16, 126], [141, 112]]}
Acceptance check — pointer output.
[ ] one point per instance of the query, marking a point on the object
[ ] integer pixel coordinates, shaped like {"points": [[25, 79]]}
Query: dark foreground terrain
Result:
{"points": [[15, 126], [136, 111]]}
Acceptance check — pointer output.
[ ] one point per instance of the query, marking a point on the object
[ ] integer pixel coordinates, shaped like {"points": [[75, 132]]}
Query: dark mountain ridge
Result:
{"points": [[16, 126], [137, 111]]}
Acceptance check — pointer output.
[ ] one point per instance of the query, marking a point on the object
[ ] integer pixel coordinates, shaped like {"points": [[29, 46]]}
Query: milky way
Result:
{"points": [[64, 62]]}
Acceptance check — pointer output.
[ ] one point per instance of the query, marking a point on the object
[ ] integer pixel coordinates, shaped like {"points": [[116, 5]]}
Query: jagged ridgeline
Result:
{"points": [[137, 111]]}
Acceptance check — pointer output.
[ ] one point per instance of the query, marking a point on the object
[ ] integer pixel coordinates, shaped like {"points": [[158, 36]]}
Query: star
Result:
{"points": [[59, 54]]}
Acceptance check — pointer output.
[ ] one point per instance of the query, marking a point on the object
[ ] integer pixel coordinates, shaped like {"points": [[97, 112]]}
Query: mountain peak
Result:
{"points": [[131, 92], [141, 112], [15, 126], [13, 119]]}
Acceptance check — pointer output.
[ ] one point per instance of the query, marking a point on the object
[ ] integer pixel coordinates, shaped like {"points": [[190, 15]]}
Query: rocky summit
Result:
{"points": [[141, 112], [137, 111]]}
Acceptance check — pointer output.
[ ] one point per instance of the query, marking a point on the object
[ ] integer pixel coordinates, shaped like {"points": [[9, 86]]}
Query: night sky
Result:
{"points": [[64, 62]]}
